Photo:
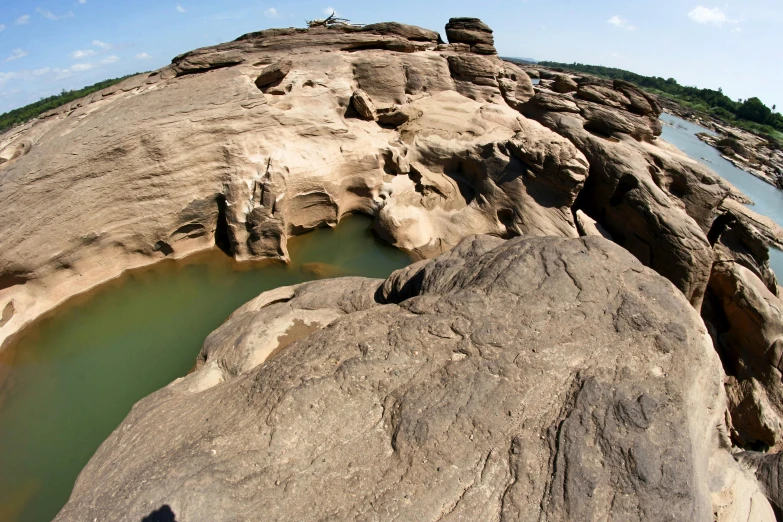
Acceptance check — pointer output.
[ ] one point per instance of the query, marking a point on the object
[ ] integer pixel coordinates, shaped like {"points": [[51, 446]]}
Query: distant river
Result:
{"points": [[769, 200], [73, 377]]}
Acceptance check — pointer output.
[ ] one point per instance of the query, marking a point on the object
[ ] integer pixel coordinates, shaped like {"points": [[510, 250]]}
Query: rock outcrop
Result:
{"points": [[473, 33], [246, 143], [656, 204], [350, 387], [509, 380]]}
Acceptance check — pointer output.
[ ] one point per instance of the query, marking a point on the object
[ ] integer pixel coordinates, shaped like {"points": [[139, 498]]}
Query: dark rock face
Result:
{"points": [[769, 472], [747, 325], [503, 380], [656, 205]]}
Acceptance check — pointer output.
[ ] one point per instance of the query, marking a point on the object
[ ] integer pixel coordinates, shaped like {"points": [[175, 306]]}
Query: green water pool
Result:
{"points": [[72, 377]]}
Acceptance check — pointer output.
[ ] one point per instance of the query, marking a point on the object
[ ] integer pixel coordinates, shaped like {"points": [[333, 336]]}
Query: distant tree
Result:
{"points": [[754, 110]]}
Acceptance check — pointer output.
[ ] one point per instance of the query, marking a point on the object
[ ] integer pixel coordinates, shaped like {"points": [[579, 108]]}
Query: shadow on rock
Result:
{"points": [[164, 514]]}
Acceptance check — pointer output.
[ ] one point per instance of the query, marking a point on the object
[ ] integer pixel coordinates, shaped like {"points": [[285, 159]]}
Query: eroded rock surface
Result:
{"points": [[246, 143], [243, 144], [512, 380]]}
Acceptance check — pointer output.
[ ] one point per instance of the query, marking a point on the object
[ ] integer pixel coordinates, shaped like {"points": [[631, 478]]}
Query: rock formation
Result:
{"points": [[349, 387], [246, 143], [540, 377]]}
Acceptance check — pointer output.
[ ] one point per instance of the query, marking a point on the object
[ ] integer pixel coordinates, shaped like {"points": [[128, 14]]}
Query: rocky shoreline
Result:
{"points": [[755, 154], [745, 150], [526, 368]]}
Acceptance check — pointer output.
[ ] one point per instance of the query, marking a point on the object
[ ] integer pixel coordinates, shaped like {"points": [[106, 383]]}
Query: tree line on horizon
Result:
{"points": [[750, 114], [29, 112]]}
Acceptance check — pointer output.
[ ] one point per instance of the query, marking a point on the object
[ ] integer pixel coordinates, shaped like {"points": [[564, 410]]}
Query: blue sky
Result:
{"points": [[50, 45]]}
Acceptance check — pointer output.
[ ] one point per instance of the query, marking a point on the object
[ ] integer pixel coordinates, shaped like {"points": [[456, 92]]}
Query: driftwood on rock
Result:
{"points": [[330, 21]]}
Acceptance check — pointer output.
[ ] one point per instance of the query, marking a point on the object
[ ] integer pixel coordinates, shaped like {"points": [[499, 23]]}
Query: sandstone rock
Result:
{"points": [[747, 327], [502, 381], [607, 122], [473, 32], [589, 227], [396, 116], [515, 85], [640, 102], [768, 469], [564, 84], [206, 59], [619, 144], [201, 156], [543, 100], [363, 105], [623, 197], [273, 73], [474, 69], [736, 494], [604, 96], [408, 32], [738, 235]]}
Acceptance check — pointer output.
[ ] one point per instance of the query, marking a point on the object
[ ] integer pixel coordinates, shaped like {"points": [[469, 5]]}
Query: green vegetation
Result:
{"points": [[750, 114], [24, 114]]}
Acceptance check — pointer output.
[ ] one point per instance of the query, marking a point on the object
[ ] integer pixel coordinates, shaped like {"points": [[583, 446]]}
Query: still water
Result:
{"points": [[72, 378], [768, 199]]}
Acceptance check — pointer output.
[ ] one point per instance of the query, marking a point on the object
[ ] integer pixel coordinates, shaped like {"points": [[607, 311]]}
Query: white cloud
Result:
{"points": [[23, 20], [51, 16], [180, 8], [2, 27], [6, 76], [82, 1], [102, 45], [619, 21], [737, 30], [704, 15], [41, 72], [330, 11], [16, 54], [79, 54], [143, 56], [86, 66], [271, 13]]}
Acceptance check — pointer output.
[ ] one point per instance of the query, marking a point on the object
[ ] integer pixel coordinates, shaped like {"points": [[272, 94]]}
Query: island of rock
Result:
{"points": [[593, 332]]}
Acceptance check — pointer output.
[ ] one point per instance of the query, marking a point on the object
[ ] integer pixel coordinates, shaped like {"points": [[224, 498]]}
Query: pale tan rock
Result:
{"points": [[172, 162], [736, 495], [363, 105]]}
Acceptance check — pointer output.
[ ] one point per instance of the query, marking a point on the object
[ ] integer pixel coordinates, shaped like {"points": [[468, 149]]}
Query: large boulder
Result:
{"points": [[473, 32], [564, 84], [648, 196], [747, 325], [273, 73], [528, 379]]}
